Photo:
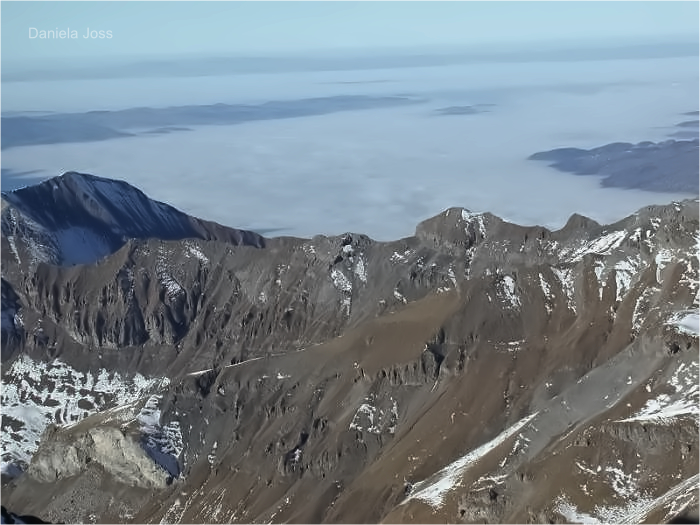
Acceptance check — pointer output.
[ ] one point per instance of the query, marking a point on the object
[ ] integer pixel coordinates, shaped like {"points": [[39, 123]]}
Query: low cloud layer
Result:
{"points": [[381, 171]]}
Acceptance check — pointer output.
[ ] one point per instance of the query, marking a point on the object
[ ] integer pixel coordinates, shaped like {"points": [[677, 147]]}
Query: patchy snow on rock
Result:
{"points": [[625, 486], [162, 442], [172, 287], [507, 292], [376, 419], [37, 393], [433, 490], [662, 258], [341, 282], [474, 218], [674, 500], [399, 296], [394, 416], [571, 513], [343, 285], [566, 278], [547, 291], [364, 419], [401, 258], [685, 401], [194, 251], [451, 276], [598, 268], [641, 308], [346, 304], [636, 235], [488, 481], [625, 271], [601, 246], [361, 269], [13, 247], [211, 458], [514, 346]]}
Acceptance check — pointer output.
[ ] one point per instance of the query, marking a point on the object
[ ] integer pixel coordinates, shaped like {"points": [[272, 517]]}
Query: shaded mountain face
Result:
{"points": [[78, 219], [478, 371]]}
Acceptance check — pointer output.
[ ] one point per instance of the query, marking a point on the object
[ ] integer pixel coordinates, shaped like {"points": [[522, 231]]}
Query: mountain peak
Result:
{"points": [[77, 218]]}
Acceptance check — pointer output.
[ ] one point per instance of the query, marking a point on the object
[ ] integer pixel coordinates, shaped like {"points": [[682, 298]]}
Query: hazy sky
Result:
{"points": [[162, 28]]}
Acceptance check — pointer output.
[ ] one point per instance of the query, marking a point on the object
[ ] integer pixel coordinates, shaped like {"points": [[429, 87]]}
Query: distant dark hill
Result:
{"points": [[669, 166], [94, 126]]}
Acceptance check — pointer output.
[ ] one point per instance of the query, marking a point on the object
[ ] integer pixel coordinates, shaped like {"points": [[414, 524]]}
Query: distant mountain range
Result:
{"points": [[161, 368], [346, 61]]}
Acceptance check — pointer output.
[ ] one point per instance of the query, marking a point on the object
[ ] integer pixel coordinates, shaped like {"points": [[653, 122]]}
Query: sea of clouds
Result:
{"points": [[377, 171]]}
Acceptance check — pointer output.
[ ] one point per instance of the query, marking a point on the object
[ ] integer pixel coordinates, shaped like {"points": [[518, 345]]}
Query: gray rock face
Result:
{"points": [[119, 455], [477, 371]]}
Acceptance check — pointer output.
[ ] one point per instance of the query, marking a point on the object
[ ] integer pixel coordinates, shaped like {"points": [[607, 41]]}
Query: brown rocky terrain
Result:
{"points": [[478, 371]]}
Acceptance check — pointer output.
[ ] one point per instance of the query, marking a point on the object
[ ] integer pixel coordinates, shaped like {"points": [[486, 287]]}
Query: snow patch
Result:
{"points": [[566, 278], [507, 291], [625, 271], [172, 287], [663, 257], [341, 282], [194, 251], [601, 246], [477, 218], [547, 291], [369, 418], [361, 269], [687, 322], [433, 490], [402, 258]]}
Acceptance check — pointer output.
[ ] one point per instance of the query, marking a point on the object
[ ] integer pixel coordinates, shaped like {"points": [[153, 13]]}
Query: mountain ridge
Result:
{"points": [[477, 371]]}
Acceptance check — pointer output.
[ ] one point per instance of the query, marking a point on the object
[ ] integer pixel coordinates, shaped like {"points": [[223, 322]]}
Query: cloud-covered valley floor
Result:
{"points": [[381, 170]]}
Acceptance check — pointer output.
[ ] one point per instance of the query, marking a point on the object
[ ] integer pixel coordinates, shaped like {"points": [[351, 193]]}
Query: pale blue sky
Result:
{"points": [[172, 28]]}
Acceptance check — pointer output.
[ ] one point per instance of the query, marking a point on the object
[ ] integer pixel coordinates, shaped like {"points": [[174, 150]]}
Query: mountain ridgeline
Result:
{"points": [[158, 368]]}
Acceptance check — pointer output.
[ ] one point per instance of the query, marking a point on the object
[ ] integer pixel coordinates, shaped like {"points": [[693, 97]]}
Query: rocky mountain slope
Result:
{"points": [[478, 371]]}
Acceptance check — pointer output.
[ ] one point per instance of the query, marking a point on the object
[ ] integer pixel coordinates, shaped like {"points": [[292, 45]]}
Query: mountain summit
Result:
{"points": [[78, 219]]}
